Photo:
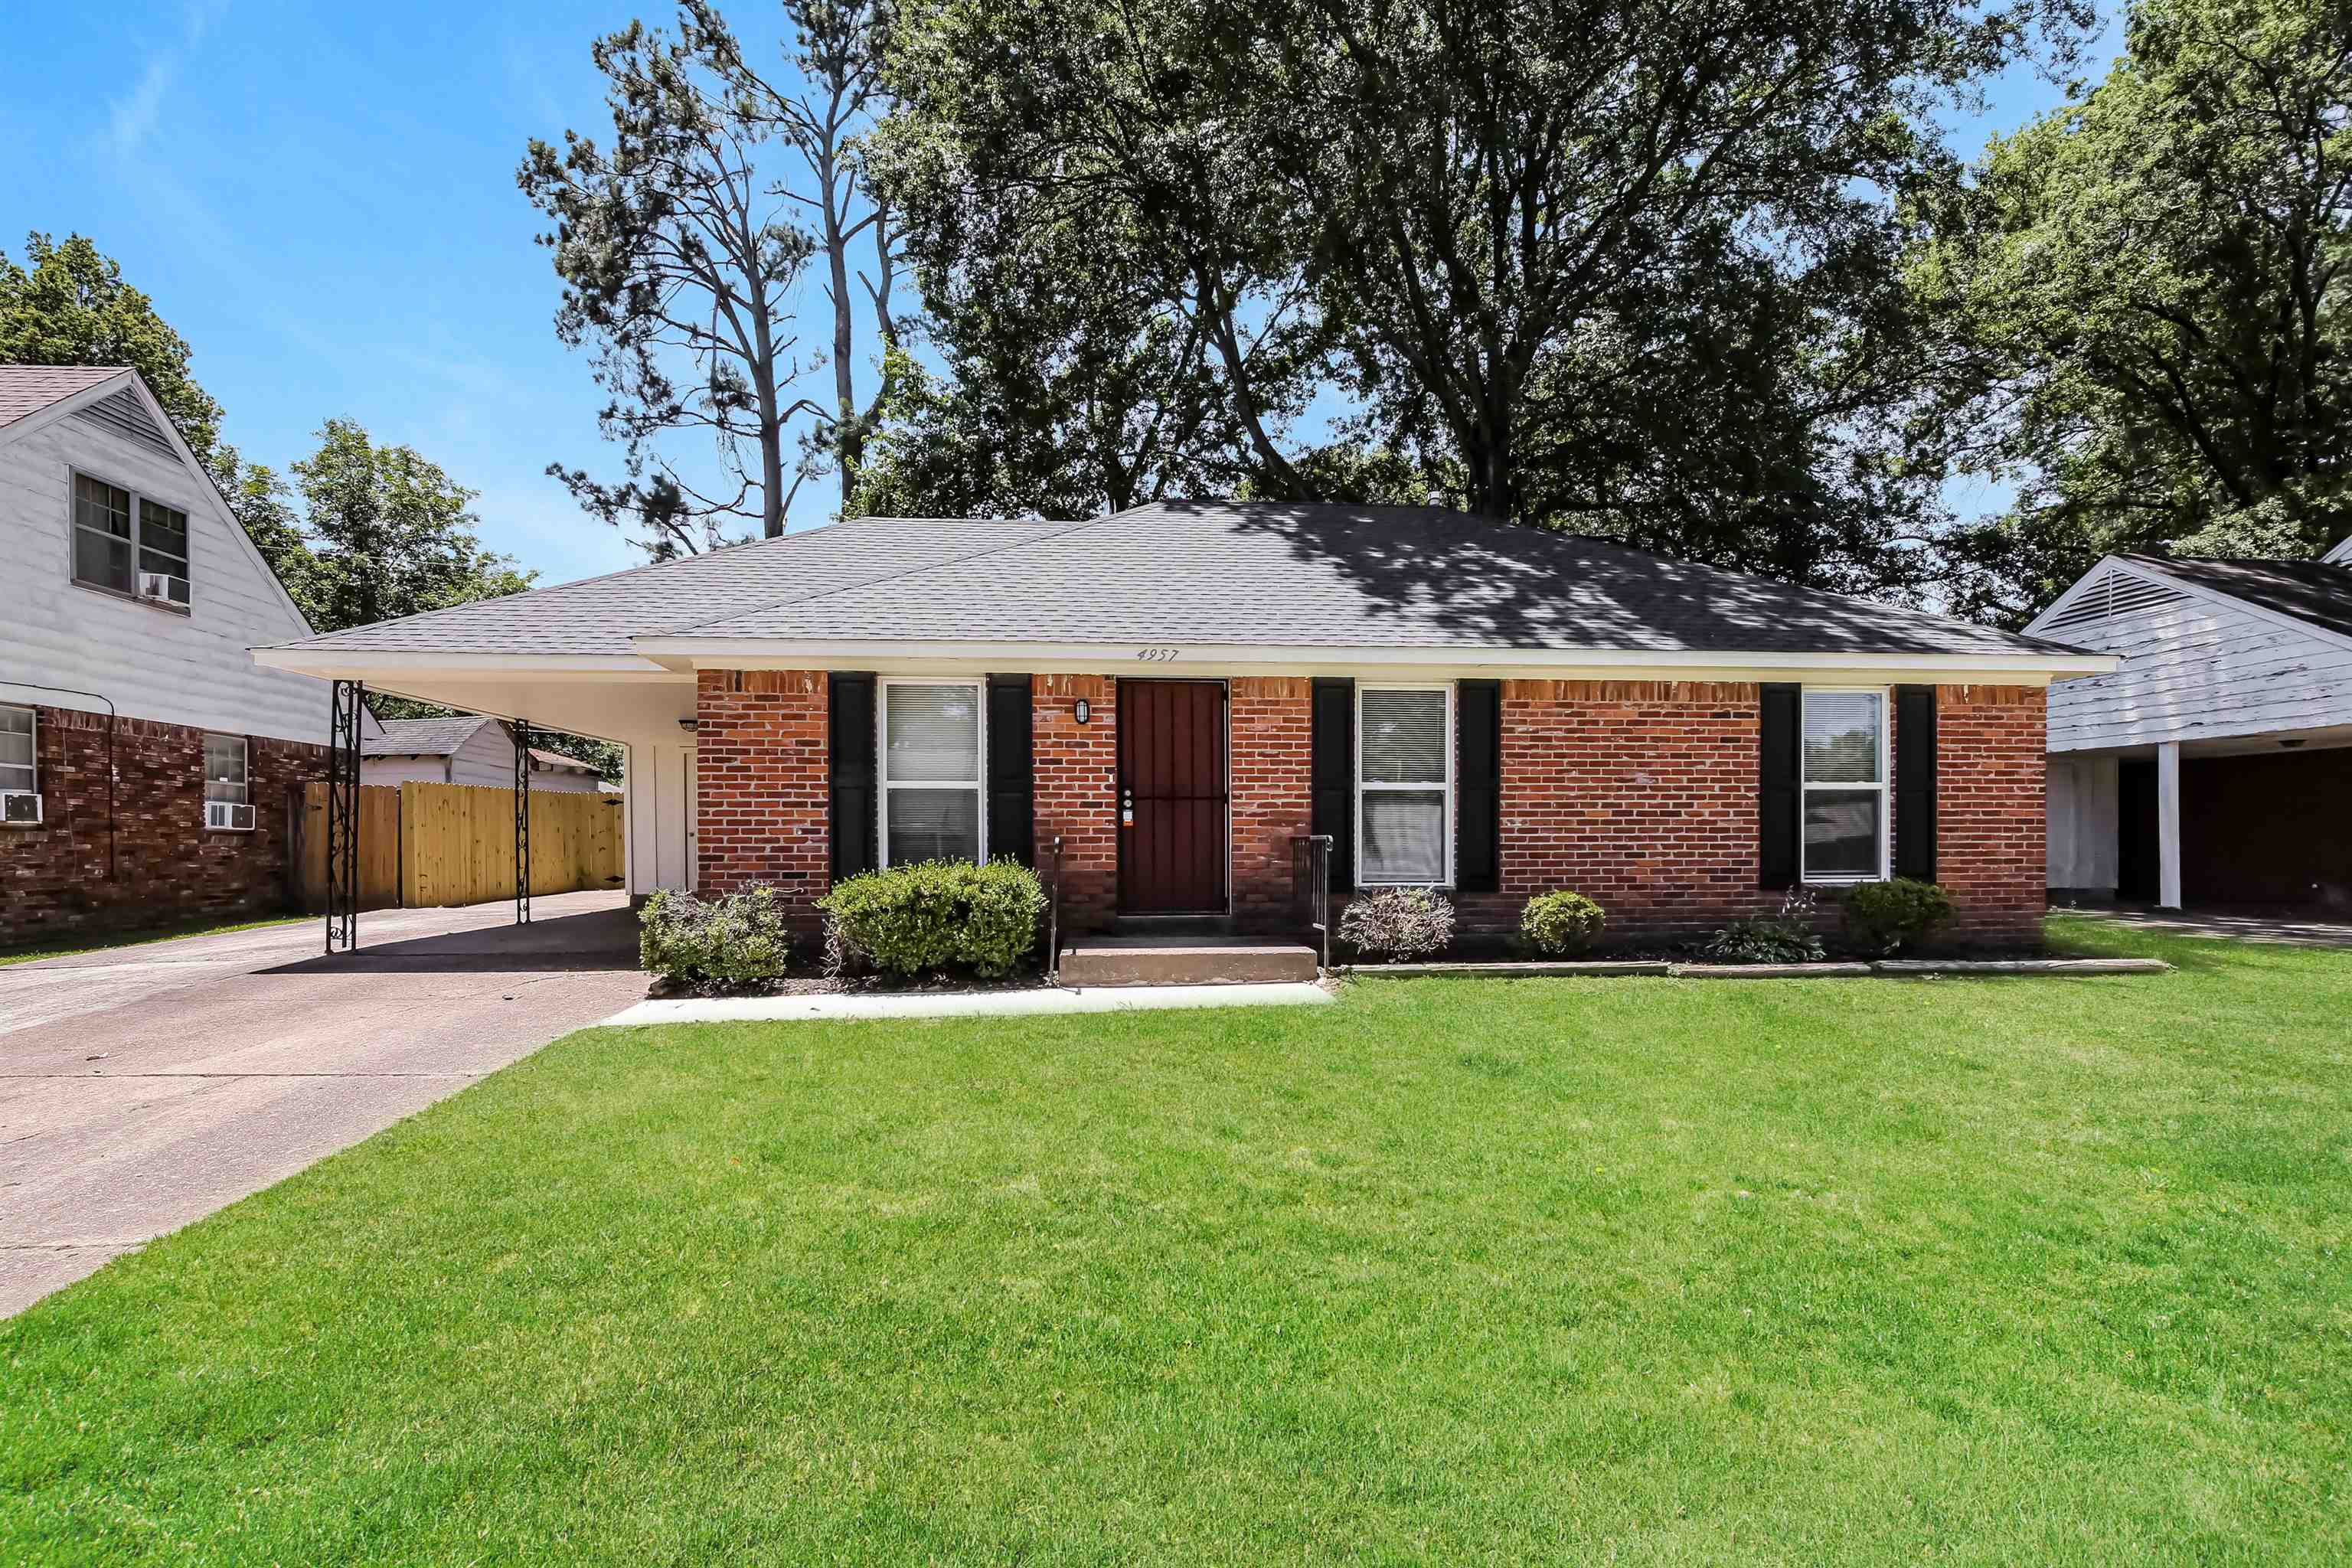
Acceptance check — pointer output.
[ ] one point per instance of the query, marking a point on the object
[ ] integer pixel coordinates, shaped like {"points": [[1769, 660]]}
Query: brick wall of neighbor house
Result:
{"points": [[1991, 820], [166, 867], [762, 793], [1076, 771], [1272, 729]]}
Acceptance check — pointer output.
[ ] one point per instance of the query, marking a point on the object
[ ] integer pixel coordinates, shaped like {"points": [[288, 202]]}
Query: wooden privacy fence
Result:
{"points": [[428, 844]]}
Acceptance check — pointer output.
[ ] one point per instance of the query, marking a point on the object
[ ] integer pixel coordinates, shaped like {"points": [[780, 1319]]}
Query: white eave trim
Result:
{"points": [[359, 664], [684, 654]]}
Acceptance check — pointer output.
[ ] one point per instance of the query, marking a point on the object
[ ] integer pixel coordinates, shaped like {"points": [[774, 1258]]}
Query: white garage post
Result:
{"points": [[2168, 824]]}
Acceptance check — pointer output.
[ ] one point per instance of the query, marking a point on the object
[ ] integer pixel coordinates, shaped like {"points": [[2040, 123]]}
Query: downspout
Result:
{"points": [[94, 697]]}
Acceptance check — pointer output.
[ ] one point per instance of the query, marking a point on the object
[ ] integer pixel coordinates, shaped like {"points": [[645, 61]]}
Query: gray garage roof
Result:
{"points": [[423, 737], [29, 388], [2318, 592], [1189, 572]]}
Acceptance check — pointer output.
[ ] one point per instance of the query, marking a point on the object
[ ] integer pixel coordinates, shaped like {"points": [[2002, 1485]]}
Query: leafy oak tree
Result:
{"points": [[1631, 267], [2145, 294]]}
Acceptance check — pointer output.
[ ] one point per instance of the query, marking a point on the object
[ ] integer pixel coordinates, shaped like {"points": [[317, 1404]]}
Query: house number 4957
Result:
{"points": [[1156, 655]]}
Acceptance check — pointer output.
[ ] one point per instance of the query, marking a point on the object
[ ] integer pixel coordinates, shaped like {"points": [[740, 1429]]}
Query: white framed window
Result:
{"points": [[933, 750], [1842, 743], [227, 784], [128, 543], [1404, 786], [19, 752]]}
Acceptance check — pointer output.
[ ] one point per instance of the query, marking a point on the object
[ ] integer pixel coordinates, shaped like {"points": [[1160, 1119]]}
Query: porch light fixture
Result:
{"points": [[688, 725], [1085, 711]]}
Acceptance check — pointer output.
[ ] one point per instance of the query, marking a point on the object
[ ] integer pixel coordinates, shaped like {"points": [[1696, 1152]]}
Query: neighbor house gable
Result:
{"points": [[2200, 662], [188, 666]]}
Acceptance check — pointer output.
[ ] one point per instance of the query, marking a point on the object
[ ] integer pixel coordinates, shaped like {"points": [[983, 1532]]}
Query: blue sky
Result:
{"points": [[322, 200]]}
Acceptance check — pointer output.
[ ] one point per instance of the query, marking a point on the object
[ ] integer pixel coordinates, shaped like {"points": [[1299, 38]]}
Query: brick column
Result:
{"points": [[1077, 780], [1991, 824], [1271, 733], [761, 789]]}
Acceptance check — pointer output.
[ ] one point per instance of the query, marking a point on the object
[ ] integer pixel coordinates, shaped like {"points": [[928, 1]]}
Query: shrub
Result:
{"points": [[1884, 917], [1784, 938], [1560, 924], [732, 944], [1397, 923], [935, 915]]}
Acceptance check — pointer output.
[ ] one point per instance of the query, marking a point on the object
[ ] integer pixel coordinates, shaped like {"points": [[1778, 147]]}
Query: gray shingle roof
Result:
{"points": [[423, 737], [29, 388], [599, 615], [2318, 592], [1192, 573]]}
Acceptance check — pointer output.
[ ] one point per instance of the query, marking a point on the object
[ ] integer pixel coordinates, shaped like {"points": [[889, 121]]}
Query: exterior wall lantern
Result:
{"points": [[1085, 711]]}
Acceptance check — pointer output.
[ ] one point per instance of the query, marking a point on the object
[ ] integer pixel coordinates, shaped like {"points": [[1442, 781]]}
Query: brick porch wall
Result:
{"points": [[1991, 824], [1076, 781], [762, 796], [1272, 727], [168, 868]]}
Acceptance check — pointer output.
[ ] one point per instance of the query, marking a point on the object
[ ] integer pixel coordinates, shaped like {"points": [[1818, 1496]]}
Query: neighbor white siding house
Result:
{"points": [[467, 750], [2221, 660], [178, 656]]}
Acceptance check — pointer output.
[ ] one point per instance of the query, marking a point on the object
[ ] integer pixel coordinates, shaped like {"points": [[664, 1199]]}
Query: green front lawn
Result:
{"points": [[1614, 1270]]}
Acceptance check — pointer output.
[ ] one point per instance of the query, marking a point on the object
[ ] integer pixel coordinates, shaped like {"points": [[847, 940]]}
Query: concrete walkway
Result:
{"points": [[2295, 930], [141, 1087]]}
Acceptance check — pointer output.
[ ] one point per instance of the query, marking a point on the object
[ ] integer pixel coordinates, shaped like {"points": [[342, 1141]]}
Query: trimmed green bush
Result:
{"points": [[737, 942], [934, 916], [1397, 923], [1561, 923], [1784, 938], [1884, 917]]}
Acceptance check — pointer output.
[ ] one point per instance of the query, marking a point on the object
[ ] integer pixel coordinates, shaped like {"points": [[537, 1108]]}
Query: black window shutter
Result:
{"points": [[849, 742], [1011, 781], [1333, 780], [1915, 783], [1478, 785], [1778, 786]]}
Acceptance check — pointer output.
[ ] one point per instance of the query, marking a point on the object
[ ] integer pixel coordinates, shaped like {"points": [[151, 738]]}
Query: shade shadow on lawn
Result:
{"points": [[1633, 1270]]}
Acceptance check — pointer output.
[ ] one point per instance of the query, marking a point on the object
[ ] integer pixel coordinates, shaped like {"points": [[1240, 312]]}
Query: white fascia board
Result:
{"points": [[364, 664], [684, 654]]}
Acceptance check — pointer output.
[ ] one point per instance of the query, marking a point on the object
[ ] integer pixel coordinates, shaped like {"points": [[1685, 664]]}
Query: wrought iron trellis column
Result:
{"points": [[343, 816], [522, 821]]}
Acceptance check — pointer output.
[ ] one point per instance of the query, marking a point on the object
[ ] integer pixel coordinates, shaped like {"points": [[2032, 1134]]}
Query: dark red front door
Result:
{"points": [[1171, 797]]}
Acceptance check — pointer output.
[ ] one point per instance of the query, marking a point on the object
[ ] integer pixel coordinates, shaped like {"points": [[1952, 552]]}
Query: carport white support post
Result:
{"points": [[2168, 824]]}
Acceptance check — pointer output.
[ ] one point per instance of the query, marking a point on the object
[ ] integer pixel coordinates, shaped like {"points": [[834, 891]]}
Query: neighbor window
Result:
{"points": [[1845, 786], [1404, 792], [224, 774], [17, 756], [129, 545], [931, 771]]}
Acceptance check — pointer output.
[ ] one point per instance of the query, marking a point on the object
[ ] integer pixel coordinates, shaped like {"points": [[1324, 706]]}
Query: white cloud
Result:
{"points": [[132, 119]]}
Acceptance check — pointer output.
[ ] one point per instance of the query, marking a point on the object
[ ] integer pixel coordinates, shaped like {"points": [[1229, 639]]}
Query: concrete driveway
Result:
{"points": [[143, 1087]]}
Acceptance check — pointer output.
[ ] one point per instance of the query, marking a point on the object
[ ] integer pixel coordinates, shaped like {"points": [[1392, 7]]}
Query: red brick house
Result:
{"points": [[1177, 693], [146, 766]]}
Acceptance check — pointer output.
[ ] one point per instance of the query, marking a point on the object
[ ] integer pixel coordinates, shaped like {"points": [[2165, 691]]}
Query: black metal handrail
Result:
{"points": [[1311, 888], [1054, 922]]}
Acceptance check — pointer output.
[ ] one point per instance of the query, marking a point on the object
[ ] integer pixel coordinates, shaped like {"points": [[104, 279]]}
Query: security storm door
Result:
{"points": [[1171, 797]]}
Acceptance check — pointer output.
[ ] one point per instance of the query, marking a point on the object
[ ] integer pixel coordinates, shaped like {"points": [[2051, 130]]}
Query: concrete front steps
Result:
{"points": [[1184, 960]]}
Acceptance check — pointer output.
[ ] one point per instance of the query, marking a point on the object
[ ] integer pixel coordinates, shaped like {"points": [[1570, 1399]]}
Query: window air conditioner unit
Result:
{"points": [[20, 808], [163, 587], [228, 814]]}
